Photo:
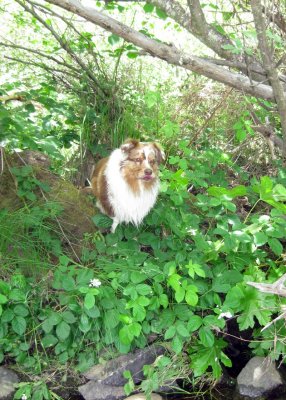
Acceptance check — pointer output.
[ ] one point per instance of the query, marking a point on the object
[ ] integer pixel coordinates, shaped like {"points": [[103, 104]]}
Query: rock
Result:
{"points": [[141, 396], [169, 387], [8, 379], [111, 373], [259, 378], [98, 391]]}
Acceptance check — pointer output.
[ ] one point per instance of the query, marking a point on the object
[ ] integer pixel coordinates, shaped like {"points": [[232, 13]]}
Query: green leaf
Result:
{"points": [[180, 294], [68, 283], [143, 289], [137, 277], [275, 246], [19, 325], [260, 238], [85, 324], [170, 332], [182, 330], [240, 135], [194, 322], [148, 8], [177, 344], [191, 295], [3, 299], [111, 319], [206, 336], [63, 331], [89, 301], [132, 54], [161, 14], [254, 305], [69, 317], [21, 310], [7, 315], [163, 300], [125, 336], [113, 39], [49, 341], [102, 221], [135, 329]]}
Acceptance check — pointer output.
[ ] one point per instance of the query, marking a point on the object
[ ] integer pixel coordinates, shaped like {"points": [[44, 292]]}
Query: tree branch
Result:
{"points": [[66, 47], [68, 23], [166, 52], [42, 66], [277, 287], [269, 65], [39, 53]]}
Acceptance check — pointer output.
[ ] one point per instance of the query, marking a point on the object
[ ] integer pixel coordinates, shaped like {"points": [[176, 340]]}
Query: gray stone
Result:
{"points": [[111, 373], [259, 378], [8, 379], [169, 387], [141, 396], [98, 391]]}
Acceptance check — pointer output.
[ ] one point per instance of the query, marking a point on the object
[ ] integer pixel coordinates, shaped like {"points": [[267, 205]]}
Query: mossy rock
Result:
{"points": [[77, 208]]}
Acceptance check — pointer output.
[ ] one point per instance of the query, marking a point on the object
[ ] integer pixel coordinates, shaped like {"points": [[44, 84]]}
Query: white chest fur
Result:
{"points": [[127, 205]]}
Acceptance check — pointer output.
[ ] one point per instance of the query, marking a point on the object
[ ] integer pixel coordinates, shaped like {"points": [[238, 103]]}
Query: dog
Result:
{"points": [[126, 184]]}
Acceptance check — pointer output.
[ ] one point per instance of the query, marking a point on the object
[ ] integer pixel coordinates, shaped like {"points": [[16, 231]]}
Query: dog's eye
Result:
{"points": [[138, 159], [152, 162]]}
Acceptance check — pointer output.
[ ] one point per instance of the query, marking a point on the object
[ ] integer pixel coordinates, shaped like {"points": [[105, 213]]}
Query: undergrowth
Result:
{"points": [[180, 277]]}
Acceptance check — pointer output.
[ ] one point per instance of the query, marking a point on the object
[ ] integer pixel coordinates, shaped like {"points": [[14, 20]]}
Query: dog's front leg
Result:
{"points": [[114, 224]]}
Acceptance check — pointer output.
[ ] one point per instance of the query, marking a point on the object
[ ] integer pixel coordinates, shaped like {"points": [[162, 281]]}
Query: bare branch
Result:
{"points": [[42, 66], [71, 25], [66, 47], [39, 53], [276, 17], [277, 287], [266, 130]]}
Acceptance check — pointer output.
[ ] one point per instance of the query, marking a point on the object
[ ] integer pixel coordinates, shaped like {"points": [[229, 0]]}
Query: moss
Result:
{"points": [[77, 209]]}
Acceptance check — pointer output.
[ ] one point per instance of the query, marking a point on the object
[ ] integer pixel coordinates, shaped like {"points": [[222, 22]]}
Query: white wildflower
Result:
{"points": [[225, 315], [94, 283], [24, 397]]}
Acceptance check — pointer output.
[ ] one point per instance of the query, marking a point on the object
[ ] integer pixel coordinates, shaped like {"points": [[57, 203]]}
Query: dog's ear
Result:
{"points": [[129, 144], [160, 155]]}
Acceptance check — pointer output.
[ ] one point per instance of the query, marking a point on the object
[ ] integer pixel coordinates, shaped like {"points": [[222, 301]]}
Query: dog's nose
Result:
{"points": [[148, 171]]}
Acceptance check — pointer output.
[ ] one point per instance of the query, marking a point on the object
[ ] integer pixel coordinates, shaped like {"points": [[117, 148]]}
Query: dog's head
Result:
{"points": [[141, 160]]}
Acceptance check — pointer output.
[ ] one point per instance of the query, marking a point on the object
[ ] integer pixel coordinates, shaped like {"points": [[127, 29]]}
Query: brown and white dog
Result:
{"points": [[126, 183]]}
